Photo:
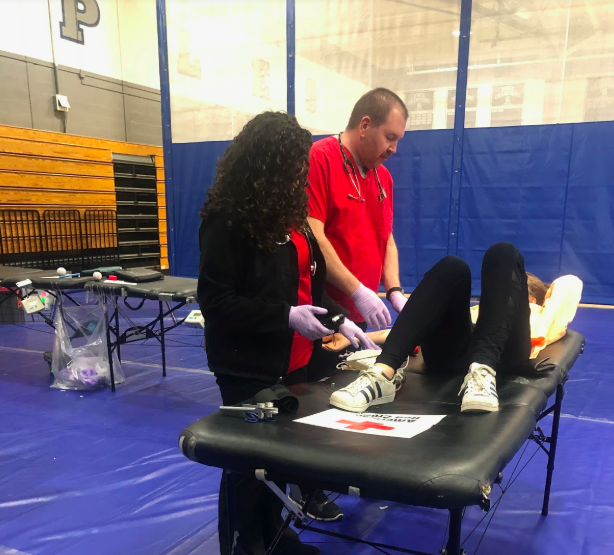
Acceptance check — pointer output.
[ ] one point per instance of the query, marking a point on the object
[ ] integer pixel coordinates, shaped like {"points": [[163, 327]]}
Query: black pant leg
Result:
{"points": [[502, 335], [436, 317], [258, 510]]}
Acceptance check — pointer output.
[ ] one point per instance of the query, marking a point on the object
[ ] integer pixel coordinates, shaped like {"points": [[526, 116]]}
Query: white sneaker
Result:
{"points": [[370, 388], [480, 387]]}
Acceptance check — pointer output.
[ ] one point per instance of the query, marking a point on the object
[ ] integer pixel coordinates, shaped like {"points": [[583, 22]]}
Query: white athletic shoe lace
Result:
{"points": [[476, 378], [399, 376], [365, 378]]}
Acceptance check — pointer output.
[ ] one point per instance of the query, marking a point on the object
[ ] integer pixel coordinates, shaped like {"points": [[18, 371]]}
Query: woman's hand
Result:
{"points": [[303, 321]]}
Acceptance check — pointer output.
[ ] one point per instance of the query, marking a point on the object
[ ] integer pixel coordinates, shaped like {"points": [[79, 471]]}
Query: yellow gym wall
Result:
{"points": [[43, 170]]}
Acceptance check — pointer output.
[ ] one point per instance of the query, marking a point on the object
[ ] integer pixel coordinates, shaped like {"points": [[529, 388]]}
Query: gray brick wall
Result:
{"points": [[143, 116], [14, 92], [100, 106]]}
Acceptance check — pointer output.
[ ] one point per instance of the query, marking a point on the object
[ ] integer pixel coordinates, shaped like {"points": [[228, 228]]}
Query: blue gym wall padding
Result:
{"points": [[549, 189]]}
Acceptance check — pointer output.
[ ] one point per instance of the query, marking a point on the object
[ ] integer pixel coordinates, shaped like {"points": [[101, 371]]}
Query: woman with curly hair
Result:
{"points": [[261, 291]]}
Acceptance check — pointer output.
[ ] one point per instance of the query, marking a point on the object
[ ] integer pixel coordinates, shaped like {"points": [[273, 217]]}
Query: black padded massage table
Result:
{"points": [[177, 290], [46, 280], [451, 466], [10, 274]]}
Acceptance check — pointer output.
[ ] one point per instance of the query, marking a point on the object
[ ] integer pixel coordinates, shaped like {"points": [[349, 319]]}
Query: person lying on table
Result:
{"points": [[517, 317]]}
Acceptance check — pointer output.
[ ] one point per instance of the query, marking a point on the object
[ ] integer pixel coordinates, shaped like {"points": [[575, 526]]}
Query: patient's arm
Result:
{"points": [[339, 343]]}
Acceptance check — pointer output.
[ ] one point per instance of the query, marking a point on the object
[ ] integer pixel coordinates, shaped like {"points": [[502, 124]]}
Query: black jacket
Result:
{"points": [[245, 295]]}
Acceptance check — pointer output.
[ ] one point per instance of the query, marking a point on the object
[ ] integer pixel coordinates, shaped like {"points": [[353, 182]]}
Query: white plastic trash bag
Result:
{"points": [[80, 356]]}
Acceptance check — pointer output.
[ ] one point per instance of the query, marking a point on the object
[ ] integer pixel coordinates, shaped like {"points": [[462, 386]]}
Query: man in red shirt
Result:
{"points": [[350, 207]]}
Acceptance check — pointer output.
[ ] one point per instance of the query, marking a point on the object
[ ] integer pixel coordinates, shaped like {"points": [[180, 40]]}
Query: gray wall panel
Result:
{"points": [[94, 111], [100, 106], [143, 120], [14, 100]]}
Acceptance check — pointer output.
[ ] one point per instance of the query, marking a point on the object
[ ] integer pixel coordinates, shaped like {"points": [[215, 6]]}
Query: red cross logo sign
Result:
{"points": [[365, 425]]}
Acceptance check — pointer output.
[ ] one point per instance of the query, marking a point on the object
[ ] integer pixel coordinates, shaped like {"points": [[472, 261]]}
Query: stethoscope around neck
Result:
{"points": [[313, 265], [353, 177]]}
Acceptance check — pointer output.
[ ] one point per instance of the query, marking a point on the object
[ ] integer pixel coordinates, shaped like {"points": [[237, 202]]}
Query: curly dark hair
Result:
{"points": [[261, 179]]}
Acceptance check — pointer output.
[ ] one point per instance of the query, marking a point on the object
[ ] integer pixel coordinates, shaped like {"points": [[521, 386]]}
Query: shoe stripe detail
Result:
{"points": [[366, 396], [379, 390], [369, 388]]}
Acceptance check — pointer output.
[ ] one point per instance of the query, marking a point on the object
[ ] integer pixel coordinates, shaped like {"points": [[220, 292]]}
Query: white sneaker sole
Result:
{"points": [[478, 406], [344, 406]]}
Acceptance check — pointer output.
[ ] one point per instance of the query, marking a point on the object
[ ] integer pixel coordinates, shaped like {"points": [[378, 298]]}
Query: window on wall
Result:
{"points": [[542, 61], [471, 103], [227, 63], [346, 47]]}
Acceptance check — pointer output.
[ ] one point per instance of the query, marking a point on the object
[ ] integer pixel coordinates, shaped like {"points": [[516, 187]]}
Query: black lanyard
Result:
{"points": [[353, 177]]}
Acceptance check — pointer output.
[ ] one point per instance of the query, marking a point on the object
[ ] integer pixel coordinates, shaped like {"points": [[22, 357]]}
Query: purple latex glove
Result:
{"points": [[398, 300], [356, 336], [303, 321], [371, 307]]}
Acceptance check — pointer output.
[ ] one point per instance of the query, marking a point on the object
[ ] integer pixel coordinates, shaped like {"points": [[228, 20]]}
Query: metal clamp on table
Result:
{"points": [[253, 413]]}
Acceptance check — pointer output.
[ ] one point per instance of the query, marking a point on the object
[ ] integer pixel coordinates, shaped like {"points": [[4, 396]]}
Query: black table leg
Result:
{"points": [[105, 310], [454, 537], [119, 355], [162, 339], [553, 441]]}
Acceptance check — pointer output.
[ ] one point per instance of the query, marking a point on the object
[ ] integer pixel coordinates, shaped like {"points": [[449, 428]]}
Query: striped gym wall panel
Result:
{"points": [[45, 170]]}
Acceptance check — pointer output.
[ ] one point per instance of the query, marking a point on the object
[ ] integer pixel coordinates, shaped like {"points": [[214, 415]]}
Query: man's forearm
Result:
{"points": [[336, 272], [390, 275]]}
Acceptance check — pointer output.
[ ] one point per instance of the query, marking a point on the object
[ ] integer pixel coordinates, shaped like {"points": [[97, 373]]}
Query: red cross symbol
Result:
{"points": [[366, 425]]}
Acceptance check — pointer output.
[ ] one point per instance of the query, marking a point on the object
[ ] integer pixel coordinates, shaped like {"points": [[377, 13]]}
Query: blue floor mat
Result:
{"points": [[100, 473]]}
